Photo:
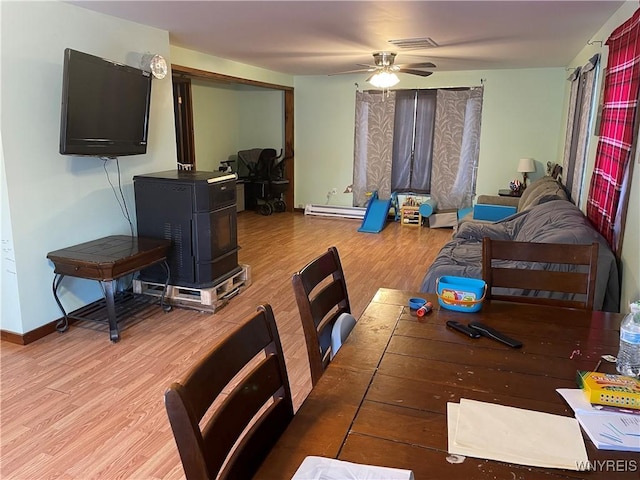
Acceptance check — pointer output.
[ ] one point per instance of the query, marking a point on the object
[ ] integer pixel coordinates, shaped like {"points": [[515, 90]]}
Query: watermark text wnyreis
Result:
{"points": [[618, 466]]}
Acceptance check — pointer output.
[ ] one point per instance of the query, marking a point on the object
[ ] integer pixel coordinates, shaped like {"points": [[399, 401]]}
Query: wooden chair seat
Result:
{"points": [[530, 267]]}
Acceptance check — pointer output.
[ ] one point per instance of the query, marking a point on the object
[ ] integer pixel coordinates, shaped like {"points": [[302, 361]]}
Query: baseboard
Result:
{"points": [[357, 213], [31, 336]]}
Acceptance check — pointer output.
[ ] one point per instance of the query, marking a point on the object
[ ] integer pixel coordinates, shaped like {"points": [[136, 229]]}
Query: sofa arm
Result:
{"points": [[492, 213], [498, 200]]}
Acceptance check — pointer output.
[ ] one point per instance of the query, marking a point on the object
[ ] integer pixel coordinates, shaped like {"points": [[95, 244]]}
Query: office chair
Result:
{"points": [[260, 397], [567, 270], [321, 294]]}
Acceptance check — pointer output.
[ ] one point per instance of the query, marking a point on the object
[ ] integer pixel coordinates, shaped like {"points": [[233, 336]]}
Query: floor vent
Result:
{"points": [[335, 211]]}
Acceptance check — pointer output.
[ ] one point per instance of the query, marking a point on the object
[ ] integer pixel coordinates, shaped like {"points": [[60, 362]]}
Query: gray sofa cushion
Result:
{"points": [[557, 221], [545, 189], [542, 190]]}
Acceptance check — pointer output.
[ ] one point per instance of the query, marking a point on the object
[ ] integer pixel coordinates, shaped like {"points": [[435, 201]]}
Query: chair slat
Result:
{"points": [[321, 295], [573, 272], [260, 397]]}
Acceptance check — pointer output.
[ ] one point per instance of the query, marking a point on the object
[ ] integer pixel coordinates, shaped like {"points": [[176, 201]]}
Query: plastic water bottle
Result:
{"points": [[628, 362]]}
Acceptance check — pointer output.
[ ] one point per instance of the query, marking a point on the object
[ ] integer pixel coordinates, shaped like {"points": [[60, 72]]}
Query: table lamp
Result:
{"points": [[526, 165]]}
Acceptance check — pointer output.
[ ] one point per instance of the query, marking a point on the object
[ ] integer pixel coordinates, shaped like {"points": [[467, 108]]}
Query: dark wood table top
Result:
{"points": [[109, 257], [382, 400]]}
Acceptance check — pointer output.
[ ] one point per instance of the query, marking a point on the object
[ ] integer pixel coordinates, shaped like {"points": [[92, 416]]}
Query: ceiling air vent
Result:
{"points": [[414, 43]]}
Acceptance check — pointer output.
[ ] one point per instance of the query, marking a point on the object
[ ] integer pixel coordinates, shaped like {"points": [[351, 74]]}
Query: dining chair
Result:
{"points": [[547, 267], [258, 400], [321, 294]]}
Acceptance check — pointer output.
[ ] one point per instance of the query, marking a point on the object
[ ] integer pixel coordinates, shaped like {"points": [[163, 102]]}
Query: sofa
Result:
{"points": [[553, 221], [490, 208]]}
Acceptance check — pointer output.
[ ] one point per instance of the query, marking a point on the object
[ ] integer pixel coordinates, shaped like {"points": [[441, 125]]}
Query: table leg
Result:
{"points": [[63, 323], [109, 288]]}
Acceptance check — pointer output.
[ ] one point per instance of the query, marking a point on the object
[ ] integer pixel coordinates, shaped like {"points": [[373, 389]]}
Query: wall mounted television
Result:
{"points": [[105, 107]]}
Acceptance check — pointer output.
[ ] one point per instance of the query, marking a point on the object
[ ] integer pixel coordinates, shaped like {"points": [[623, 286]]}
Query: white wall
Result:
{"points": [[521, 117], [55, 201]]}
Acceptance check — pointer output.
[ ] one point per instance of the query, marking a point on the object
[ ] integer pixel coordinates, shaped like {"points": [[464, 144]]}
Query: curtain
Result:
{"points": [[577, 139], [606, 207], [373, 145], [412, 140], [456, 147]]}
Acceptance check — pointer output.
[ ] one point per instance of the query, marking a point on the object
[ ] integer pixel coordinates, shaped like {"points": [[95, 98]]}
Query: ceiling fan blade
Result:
{"points": [[418, 65], [359, 70], [411, 71]]}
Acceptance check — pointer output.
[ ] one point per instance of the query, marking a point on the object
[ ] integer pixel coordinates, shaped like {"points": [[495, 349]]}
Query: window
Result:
{"points": [[609, 189], [413, 141], [426, 141]]}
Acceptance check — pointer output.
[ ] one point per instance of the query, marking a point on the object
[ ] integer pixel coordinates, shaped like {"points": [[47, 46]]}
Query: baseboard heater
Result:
{"points": [[335, 211]]}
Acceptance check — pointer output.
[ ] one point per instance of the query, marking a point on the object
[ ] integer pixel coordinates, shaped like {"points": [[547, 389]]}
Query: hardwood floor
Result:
{"points": [[76, 406]]}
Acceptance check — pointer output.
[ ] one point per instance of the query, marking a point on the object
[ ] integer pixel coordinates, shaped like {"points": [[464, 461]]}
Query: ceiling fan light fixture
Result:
{"points": [[384, 79]]}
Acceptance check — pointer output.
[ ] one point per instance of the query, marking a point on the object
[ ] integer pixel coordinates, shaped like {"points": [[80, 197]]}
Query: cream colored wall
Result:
{"points": [[630, 255], [521, 117]]}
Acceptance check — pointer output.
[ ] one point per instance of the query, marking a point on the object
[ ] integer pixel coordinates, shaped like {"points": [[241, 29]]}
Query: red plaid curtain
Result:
{"points": [[621, 88]]}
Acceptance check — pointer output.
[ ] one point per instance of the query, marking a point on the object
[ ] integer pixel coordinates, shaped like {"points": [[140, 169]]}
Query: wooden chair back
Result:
{"points": [[259, 395], [575, 272], [321, 294]]}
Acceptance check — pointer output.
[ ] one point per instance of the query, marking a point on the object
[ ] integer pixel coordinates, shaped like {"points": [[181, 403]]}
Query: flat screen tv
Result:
{"points": [[105, 107]]}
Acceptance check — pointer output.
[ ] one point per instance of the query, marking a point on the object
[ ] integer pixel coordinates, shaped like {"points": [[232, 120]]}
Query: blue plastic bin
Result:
{"points": [[460, 294], [492, 213]]}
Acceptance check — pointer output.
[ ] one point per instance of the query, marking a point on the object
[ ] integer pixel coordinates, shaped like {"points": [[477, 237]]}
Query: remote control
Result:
{"points": [[470, 332]]}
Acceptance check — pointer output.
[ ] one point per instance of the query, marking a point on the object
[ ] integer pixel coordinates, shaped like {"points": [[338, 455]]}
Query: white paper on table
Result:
{"points": [[514, 435], [608, 430], [321, 468]]}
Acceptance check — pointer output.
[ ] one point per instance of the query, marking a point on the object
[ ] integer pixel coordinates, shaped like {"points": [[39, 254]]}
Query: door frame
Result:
{"points": [[191, 73]]}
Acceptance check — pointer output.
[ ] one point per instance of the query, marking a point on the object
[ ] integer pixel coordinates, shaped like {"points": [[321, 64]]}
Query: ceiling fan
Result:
{"points": [[384, 70]]}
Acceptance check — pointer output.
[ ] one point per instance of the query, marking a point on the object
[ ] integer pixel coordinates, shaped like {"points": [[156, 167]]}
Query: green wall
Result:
{"points": [[53, 201], [521, 117], [215, 123]]}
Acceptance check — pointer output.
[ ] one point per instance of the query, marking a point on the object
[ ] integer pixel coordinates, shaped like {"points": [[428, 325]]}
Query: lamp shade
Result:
{"points": [[384, 79], [526, 165]]}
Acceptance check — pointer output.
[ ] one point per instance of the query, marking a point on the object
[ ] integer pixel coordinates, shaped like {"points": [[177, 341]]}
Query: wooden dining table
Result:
{"points": [[383, 399]]}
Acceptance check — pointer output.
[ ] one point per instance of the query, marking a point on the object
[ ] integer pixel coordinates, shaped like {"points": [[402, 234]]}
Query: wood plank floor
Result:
{"points": [[76, 406]]}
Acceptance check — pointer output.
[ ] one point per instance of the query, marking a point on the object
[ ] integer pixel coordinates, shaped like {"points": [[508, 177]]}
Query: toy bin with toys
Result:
{"points": [[460, 294]]}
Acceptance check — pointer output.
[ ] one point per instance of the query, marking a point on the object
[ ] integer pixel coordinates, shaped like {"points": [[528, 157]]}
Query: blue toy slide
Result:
{"points": [[376, 215]]}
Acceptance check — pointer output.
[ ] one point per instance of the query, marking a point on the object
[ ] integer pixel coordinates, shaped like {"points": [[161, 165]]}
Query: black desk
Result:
{"points": [[105, 260]]}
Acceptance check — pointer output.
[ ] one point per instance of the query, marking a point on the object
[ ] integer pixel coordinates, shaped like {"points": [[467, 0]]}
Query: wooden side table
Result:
{"points": [[509, 193], [105, 260]]}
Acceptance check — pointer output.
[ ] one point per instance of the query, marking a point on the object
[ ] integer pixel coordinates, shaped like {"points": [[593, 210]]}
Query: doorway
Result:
{"points": [[183, 113], [182, 77]]}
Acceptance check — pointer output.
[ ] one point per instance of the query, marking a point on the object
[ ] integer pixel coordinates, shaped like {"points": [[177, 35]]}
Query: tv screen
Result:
{"points": [[105, 107]]}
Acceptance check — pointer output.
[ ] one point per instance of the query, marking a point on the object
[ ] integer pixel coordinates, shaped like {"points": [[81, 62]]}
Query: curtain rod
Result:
{"points": [[460, 89]]}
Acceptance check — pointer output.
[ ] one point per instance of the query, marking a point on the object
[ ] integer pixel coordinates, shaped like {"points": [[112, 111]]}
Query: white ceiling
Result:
{"points": [[324, 37]]}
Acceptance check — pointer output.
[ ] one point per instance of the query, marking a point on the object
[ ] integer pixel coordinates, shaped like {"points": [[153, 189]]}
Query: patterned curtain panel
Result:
{"points": [[577, 141], [373, 145], [606, 206], [456, 147]]}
